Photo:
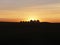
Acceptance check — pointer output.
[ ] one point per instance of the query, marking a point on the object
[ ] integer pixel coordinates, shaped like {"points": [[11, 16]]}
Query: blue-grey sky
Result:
{"points": [[47, 9], [14, 4]]}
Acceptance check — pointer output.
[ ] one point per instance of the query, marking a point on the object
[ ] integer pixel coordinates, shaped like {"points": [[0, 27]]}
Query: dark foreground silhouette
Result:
{"points": [[29, 33]]}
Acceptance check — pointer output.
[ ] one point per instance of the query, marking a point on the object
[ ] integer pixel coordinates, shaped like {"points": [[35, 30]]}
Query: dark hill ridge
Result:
{"points": [[29, 33]]}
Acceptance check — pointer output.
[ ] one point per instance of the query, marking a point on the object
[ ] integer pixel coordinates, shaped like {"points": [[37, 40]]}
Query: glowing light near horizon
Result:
{"points": [[32, 18]]}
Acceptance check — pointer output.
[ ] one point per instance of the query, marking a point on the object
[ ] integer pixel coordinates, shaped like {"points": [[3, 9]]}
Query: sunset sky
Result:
{"points": [[25, 10]]}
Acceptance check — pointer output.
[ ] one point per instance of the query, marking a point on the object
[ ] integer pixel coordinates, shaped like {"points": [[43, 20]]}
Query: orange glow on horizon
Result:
{"points": [[31, 18]]}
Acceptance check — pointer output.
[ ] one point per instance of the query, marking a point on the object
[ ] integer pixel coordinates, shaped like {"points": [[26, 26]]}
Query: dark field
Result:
{"points": [[29, 33]]}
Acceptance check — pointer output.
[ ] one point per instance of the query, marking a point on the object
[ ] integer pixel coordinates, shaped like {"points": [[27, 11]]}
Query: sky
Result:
{"points": [[18, 10]]}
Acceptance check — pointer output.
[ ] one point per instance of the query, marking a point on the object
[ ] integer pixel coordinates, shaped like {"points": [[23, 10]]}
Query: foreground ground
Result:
{"points": [[29, 33]]}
